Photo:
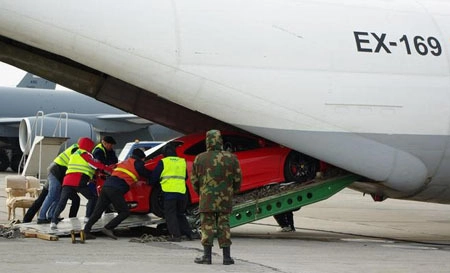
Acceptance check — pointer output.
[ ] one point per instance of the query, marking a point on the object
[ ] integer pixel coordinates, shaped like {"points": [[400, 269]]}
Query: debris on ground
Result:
{"points": [[146, 238], [10, 231]]}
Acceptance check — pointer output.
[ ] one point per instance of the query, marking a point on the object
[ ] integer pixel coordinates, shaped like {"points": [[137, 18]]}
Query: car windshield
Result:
{"points": [[130, 146], [157, 150]]}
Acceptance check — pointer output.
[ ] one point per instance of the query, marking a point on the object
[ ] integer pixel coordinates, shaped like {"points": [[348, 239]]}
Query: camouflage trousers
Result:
{"points": [[218, 221]]}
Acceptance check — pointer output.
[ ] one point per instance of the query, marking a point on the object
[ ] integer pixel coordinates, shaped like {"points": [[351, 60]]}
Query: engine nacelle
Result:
{"points": [[53, 127]]}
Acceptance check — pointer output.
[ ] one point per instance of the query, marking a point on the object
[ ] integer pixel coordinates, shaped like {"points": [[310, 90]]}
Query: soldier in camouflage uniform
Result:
{"points": [[216, 176]]}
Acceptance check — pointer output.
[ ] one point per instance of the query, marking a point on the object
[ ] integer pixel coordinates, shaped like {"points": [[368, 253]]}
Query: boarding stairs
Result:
{"points": [[41, 150]]}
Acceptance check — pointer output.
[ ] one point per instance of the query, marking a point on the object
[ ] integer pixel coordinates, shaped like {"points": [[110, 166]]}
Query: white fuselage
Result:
{"points": [[363, 85]]}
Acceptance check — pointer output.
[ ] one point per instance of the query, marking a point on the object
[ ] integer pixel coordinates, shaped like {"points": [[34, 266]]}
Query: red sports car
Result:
{"points": [[262, 162]]}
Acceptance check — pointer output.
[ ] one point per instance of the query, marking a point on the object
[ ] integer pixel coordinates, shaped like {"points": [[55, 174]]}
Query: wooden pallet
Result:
{"points": [[39, 235]]}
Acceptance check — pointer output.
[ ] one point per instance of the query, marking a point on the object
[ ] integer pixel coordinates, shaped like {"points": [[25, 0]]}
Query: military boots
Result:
{"points": [[206, 258], [226, 256]]}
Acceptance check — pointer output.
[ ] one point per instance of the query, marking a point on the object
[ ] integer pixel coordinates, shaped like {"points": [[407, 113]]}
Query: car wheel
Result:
{"points": [[299, 167], [157, 202]]}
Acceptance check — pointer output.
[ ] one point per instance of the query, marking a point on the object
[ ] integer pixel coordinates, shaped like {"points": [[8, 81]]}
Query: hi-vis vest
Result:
{"points": [[78, 165], [63, 158], [100, 146], [173, 177], [126, 171]]}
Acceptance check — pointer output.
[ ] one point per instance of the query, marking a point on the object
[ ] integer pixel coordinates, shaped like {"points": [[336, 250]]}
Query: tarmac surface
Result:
{"points": [[346, 233]]}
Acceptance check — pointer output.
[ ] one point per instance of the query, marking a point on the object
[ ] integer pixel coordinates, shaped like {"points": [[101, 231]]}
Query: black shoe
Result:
{"points": [[185, 238], [203, 260], [89, 236], [227, 260], [109, 233], [59, 219], [174, 239], [43, 221], [206, 258]]}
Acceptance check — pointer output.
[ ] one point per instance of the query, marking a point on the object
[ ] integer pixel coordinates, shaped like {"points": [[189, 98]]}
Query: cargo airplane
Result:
{"points": [[363, 85]]}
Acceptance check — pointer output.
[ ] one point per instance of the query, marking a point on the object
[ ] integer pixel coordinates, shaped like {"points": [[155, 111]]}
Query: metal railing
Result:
{"points": [[37, 130]]}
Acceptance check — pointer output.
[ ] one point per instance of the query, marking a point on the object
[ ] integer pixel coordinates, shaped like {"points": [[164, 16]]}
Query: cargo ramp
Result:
{"points": [[290, 199]]}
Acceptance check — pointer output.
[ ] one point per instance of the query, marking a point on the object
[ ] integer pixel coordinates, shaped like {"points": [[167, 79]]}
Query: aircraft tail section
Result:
{"points": [[33, 81]]}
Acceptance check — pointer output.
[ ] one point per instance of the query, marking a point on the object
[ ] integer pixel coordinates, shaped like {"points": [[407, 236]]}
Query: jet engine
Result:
{"points": [[53, 127]]}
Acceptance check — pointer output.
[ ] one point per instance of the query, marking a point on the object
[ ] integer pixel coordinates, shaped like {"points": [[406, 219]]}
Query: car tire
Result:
{"points": [[157, 202], [299, 167]]}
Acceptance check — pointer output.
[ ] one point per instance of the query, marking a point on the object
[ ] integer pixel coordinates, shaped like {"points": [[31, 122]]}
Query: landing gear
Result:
{"points": [[15, 162], [4, 161]]}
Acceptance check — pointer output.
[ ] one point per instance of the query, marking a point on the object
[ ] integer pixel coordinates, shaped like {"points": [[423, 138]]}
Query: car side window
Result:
{"points": [[196, 149], [239, 143]]}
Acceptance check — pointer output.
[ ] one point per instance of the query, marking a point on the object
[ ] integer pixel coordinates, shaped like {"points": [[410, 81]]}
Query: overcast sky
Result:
{"points": [[10, 76]]}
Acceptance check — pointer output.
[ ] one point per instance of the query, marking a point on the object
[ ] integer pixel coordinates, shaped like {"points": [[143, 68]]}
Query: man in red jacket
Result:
{"points": [[80, 171], [124, 175]]}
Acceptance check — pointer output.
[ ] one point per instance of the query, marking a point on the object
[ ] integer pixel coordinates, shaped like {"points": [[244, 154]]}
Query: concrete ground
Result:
{"points": [[346, 233]]}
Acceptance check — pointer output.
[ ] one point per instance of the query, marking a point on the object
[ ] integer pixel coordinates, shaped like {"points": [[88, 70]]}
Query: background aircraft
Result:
{"points": [[368, 94], [85, 117], [33, 81]]}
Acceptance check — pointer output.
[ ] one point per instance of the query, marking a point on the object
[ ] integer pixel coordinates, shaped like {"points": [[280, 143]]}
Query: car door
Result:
{"points": [[260, 165]]}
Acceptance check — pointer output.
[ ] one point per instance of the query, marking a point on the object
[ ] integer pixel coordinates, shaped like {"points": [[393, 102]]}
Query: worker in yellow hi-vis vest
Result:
{"points": [[171, 174]]}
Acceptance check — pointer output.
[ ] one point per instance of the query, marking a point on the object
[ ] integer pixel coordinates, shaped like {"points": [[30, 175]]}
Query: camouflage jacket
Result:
{"points": [[216, 176]]}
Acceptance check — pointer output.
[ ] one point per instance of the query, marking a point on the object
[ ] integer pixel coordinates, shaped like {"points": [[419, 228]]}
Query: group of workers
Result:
{"points": [[216, 177], [70, 173]]}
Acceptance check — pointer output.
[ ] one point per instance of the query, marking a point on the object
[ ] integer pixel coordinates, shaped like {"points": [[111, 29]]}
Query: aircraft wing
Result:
{"points": [[10, 121], [125, 117]]}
